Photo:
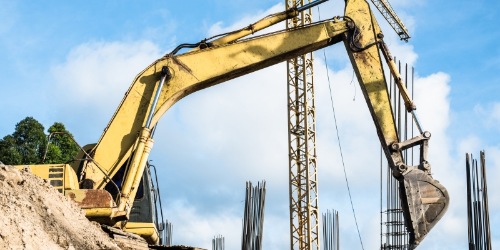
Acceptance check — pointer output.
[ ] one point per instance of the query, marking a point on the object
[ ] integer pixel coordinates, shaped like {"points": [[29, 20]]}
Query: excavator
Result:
{"points": [[110, 182]]}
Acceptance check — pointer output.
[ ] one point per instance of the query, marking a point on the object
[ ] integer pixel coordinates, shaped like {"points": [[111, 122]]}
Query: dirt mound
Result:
{"points": [[33, 215]]}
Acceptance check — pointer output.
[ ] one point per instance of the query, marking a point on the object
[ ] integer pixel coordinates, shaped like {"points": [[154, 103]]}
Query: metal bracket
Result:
{"points": [[423, 141]]}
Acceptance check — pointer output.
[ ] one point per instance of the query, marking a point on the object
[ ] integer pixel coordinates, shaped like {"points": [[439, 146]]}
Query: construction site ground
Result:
{"points": [[34, 215]]}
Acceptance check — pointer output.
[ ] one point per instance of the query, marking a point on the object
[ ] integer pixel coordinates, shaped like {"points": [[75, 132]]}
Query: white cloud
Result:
{"points": [[433, 104], [194, 228], [433, 108], [211, 143], [495, 115], [94, 78], [190, 226], [99, 72], [493, 174], [239, 128], [489, 114], [219, 27], [470, 144]]}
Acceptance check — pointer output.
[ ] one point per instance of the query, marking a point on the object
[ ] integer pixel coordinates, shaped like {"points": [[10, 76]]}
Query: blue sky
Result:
{"points": [[72, 61]]}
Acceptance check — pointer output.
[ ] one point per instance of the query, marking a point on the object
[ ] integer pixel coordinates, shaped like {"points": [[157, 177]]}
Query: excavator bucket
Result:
{"points": [[424, 201]]}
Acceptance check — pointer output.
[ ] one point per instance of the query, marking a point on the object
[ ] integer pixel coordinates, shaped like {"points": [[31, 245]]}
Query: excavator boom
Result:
{"points": [[173, 77], [124, 147]]}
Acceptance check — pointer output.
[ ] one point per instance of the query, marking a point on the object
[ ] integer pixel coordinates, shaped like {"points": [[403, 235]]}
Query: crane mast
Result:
{"points": [[388, 13], [120, 156], [304, 222]]}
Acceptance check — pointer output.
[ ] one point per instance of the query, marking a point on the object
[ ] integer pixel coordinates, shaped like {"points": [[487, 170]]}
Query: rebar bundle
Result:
{"points": [[478, 217], [395, 235], [253, 221], [331, 230], [218, 243], [166, 237]]}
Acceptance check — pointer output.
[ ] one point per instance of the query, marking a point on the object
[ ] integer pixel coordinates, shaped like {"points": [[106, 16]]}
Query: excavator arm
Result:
{"points": [[424, 200], [127, 140]]}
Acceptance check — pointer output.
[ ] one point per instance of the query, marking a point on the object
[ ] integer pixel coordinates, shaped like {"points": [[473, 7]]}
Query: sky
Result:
{"points": [[72, 61]]}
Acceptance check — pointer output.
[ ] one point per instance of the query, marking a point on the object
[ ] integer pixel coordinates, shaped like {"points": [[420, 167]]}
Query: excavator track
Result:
{"points": [[130, 241], [126, 241]]}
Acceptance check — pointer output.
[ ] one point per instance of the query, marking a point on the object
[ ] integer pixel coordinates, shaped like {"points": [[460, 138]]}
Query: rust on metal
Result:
{"points": [[427, 201], [88, 198]]}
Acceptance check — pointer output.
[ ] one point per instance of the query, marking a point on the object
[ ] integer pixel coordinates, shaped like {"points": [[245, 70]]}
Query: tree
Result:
{"points": [[8, 151], [29, 144], [62, 147], [30, 140]]}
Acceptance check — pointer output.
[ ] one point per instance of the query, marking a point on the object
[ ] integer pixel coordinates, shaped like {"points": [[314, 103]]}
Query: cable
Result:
{"points": [[341, 155], [352, 80], [338, 139]]}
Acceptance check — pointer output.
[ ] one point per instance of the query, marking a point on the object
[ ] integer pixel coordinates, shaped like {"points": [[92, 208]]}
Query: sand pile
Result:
{"points": [[33, 215]]}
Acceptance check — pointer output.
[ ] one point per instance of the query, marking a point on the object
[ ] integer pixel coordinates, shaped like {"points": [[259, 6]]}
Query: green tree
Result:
{"points": [[30, 140], [62, 147], [28, 144], [8, 151]]}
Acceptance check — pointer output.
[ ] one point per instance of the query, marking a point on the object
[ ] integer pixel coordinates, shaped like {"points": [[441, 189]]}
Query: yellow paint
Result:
{"points": [[367, 64], [146, 230], [52, 171], [105, 212], [194, 71]]}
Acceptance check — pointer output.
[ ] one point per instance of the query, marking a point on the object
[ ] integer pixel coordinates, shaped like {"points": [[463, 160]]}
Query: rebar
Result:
{"points": [[331, 240], [218, 243], [394, 234], [478, 217], [166, 237], [253, 221]]}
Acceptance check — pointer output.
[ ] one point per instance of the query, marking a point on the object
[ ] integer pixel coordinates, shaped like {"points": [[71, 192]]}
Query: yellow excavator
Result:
{"points": [[110, 182]]}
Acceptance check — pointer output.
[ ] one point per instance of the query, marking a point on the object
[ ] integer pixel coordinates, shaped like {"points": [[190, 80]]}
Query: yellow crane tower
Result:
{"points": [[388, 13], [304, 222], [303, 175]]}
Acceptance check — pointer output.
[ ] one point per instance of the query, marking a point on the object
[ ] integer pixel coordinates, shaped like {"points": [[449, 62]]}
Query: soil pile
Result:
{"points": [[33, 215]]}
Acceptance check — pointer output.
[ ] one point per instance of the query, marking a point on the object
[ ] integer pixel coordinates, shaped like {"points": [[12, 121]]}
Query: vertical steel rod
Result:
{"points": [[253, 221], [331, 233], [477, 204], [395, 232]]}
